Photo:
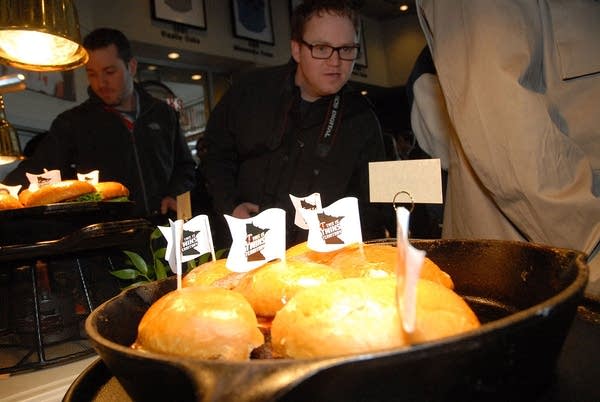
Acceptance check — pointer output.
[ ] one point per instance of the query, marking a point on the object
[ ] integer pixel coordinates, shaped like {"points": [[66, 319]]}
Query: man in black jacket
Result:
{"points": [[121, 130], [298, 128]]}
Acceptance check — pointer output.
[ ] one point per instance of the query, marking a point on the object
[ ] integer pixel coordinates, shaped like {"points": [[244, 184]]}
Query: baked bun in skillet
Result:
{"points": [[379, 260], [212, 273], [360, 315], [200, 322], [271, 286]]}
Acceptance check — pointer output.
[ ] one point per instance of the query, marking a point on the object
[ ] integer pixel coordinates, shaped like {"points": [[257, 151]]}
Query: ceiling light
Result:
{"points": [[404, 7], [364, 92], [196, 77], [173, 55], [40, 35], [151, 68]]}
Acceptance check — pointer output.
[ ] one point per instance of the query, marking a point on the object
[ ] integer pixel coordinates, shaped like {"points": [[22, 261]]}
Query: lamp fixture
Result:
{"points": [[10, 149], [40, 35]]}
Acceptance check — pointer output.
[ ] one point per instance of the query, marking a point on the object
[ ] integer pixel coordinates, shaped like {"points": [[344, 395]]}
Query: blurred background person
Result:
{"points": [[521, 84]]}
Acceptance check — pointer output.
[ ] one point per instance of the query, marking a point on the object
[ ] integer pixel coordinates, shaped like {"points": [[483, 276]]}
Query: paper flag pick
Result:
{"points": [[40, 180], [173, 251], [92, 177], [196, 238], [310, 202], [256, 240], [335, 226], [12, 190], [410, 261]]}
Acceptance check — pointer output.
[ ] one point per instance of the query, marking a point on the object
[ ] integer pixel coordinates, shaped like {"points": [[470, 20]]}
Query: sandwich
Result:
{"points": [[112, 191], [66, 190], [74, 191]]}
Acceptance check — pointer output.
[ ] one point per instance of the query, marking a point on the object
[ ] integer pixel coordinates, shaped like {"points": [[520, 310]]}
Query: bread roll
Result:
{"points": [[111, 189], [379, 260], [200, 322], [212, 273], [55, 192], [302, 252], [271, 286], [360, 315], [7, 201]]}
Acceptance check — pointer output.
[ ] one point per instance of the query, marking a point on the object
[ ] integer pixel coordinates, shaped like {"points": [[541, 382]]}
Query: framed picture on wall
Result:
{"points": [[252, 20], [361, 61], [190, 13]]}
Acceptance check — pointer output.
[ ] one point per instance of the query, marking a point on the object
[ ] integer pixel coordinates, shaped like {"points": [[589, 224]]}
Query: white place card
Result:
{"points": [[421, 178]]}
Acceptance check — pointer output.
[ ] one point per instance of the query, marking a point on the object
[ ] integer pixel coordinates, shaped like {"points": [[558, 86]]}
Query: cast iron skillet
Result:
{"points": [[526, 295]]}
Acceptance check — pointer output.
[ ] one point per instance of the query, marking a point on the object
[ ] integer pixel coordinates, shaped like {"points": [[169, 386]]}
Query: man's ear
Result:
{"points": [[295, 48], [132, 66]]}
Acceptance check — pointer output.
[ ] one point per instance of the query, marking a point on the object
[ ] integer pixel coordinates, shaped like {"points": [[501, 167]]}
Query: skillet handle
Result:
{"points": [[258, 381]]}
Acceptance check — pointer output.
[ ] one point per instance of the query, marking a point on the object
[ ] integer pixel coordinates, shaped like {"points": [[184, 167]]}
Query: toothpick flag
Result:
{"points": [[174, 234], [311, 202], [196, 238], [92, 177], [186, 241], [12, 190], [40, 180], [335, 226], [256, 240]]}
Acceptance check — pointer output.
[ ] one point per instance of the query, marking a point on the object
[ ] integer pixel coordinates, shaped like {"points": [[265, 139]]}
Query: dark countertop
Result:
{"points": [[578, 368]]}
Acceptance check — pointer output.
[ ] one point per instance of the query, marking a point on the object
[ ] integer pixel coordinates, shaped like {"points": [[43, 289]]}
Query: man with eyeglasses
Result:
{"points": [[297, 128]]}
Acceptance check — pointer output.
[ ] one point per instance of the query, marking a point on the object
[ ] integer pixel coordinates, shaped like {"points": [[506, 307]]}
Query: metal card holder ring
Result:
{"points": [[412, 201]]}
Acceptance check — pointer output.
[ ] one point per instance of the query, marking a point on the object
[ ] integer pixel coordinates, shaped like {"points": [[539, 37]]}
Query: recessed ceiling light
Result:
{"points": [[364, 92], [197, 77], [173, 55], [152, 68], [403, 7]]}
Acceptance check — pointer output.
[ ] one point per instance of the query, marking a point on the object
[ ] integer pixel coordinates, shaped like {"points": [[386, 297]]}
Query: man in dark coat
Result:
{"points": [[120, 130], [297, 128]]}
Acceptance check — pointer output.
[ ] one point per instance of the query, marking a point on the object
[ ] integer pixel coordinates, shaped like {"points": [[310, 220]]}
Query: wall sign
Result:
{"points": [[252, 20], [190, 13]]}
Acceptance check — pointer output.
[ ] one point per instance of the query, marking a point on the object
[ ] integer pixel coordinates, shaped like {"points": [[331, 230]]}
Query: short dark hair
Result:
{"points": [[308, 8], [103, 37]]}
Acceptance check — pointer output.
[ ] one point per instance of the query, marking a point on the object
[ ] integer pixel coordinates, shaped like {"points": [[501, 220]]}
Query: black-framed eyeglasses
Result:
{"points": [[323, 52]]}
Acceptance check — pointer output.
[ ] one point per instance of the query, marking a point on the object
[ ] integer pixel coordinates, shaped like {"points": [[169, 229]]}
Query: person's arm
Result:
{"points": [[490, 61], [52, 152]]}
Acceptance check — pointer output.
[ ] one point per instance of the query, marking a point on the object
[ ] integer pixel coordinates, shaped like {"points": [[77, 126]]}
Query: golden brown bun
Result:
{"points": [[271, 286], [200, 322], [360, 315], [56, 192], [379, 260], [302, 252], [111, 189], [7, 201], [212, 273]]}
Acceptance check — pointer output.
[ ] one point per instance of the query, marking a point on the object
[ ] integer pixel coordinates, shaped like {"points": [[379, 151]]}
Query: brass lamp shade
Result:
{"points": [[40, 35]]}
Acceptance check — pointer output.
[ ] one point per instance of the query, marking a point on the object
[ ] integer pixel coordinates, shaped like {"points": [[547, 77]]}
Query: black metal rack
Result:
{"points": [[42, 325]]}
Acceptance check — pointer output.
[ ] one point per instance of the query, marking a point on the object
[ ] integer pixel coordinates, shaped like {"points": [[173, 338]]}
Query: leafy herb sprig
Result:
{"points": [[138, 271]]}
